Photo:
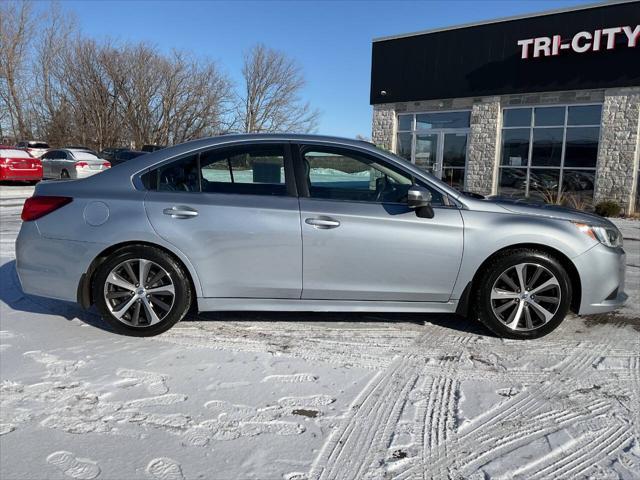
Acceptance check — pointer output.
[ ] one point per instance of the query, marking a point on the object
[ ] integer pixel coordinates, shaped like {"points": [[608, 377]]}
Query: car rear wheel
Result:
{"points": [[142, 291], [523, 294]]}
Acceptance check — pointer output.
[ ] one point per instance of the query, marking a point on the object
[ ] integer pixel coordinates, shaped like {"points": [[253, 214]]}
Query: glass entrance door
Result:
{"points": [[444, 154], [436, 142]]}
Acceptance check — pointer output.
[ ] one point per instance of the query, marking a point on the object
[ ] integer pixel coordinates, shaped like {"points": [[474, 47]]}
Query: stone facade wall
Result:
{"points": [[618, 153], [482, 155], [383, 127]]}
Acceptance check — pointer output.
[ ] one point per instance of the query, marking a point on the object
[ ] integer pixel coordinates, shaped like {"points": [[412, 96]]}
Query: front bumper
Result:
{"points": [[602, 271]]}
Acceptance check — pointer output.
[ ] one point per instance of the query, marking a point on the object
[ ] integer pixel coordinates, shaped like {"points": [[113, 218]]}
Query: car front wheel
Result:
{"points": [[142, 291], [523, 294]]}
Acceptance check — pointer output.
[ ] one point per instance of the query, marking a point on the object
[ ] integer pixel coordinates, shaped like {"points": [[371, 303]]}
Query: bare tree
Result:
{"points": [[16, 31], [270, 101]]}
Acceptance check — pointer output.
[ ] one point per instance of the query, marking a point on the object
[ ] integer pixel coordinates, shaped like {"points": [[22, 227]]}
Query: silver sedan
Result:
{"points": [[308, 223], [71, 163]]}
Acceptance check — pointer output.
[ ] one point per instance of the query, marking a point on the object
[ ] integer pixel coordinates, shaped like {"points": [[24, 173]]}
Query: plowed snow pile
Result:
{"points": [[302, 396]]}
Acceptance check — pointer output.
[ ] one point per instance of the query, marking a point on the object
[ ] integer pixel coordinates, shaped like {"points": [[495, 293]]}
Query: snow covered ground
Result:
{"points": [[302, 396]]}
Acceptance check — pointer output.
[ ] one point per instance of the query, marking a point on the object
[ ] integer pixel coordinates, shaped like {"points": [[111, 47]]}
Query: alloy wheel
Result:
{"points": [[525, 296], [139, 292]]}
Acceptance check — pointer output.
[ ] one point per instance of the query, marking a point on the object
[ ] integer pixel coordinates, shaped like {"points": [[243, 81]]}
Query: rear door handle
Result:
{"points": [[322, 223], [180, 211]]}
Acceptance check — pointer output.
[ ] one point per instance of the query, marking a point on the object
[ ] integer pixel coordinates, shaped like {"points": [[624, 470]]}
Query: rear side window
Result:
{"points": [[251, 170]]}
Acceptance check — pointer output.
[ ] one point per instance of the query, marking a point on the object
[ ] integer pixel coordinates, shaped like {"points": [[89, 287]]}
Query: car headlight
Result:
{"points": [[609, 236]]}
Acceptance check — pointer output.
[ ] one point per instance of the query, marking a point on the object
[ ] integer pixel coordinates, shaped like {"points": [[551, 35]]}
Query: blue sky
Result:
{"points": [[330, 39]]}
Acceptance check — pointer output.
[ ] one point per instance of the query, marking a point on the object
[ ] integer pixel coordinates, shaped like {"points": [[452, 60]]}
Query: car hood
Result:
{"points": [[524, 207]]}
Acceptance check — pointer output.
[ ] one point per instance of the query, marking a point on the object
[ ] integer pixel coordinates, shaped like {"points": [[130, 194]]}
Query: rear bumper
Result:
{"points": [[49, 267], [602, 271], [19, 174], [86, 172]]}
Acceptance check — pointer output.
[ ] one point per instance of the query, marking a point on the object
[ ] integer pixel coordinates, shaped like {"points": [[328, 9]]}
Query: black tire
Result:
{"points": [[181, 301], [484, 307]]}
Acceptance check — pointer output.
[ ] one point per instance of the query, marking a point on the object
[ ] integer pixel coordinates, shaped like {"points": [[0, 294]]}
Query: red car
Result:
{"points": [[18, 165]]}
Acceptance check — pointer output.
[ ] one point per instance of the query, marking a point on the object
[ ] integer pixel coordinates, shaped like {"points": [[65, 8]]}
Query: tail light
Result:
{"points": [[39, 206], [106, 164], [82, 164]]}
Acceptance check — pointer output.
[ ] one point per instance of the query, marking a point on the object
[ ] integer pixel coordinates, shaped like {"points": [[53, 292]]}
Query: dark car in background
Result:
{"points": [[122, 156], [110, 152], [152, 148]]}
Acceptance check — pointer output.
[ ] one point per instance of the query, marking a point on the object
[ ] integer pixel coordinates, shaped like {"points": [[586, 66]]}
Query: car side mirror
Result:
{"points": [[419, 199]]}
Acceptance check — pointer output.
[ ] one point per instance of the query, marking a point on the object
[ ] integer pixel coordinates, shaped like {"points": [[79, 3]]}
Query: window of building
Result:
{"points": [[436, 142], [550, 153]]}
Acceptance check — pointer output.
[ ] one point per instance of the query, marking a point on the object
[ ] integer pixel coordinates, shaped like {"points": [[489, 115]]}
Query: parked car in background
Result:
{"points": [[18, 165], [308, 223], [71, 163], [124, 155], [152, 148], [110, 152], [34, 147], [84, 149]]}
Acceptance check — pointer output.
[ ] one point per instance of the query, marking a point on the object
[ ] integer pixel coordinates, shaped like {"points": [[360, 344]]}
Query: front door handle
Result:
{"points": [[181, 212], [322, 223]]}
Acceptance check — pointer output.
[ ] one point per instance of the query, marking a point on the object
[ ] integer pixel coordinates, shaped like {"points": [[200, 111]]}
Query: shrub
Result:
{"points": [[608, 209]]}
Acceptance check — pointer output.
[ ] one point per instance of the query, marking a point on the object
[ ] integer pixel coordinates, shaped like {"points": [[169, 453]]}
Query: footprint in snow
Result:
{"points": [[79, 468], [154, 382], [165, 468], [6, 428], [294, 378]]}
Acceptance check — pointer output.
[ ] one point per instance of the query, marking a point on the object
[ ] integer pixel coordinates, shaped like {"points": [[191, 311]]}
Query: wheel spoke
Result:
{"points": [[121, 311], [507, 279], [112, 295], [541, 311], [522, 275], [156, 278], [552, 282], [527, 317], [163, 290], [135, 318], [156, 301], [499, 294], [514, 318], [534, 278], [129, 270], [547, 299], [151, 314], [505, 305], [143, 271], [118, 281]]}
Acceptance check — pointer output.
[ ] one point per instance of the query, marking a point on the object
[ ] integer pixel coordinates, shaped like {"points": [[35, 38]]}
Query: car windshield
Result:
{"points": [[13, 153], [84, 156], [38, 145]]}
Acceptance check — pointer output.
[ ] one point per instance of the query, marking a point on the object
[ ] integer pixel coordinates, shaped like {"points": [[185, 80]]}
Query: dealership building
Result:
{"points": [[545, 106]]}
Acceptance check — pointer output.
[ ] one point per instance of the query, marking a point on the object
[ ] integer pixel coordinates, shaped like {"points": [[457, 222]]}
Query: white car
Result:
{"points": [[71, 163], [35, 148]]}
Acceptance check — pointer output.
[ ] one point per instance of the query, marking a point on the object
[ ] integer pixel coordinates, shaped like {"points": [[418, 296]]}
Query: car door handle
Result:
{"points": [[180, 212], [322, 223]]}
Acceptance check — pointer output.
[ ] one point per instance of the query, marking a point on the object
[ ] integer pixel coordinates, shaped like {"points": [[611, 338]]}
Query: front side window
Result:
{"points": [[352, 176], [249, 170], [549, 154]]}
